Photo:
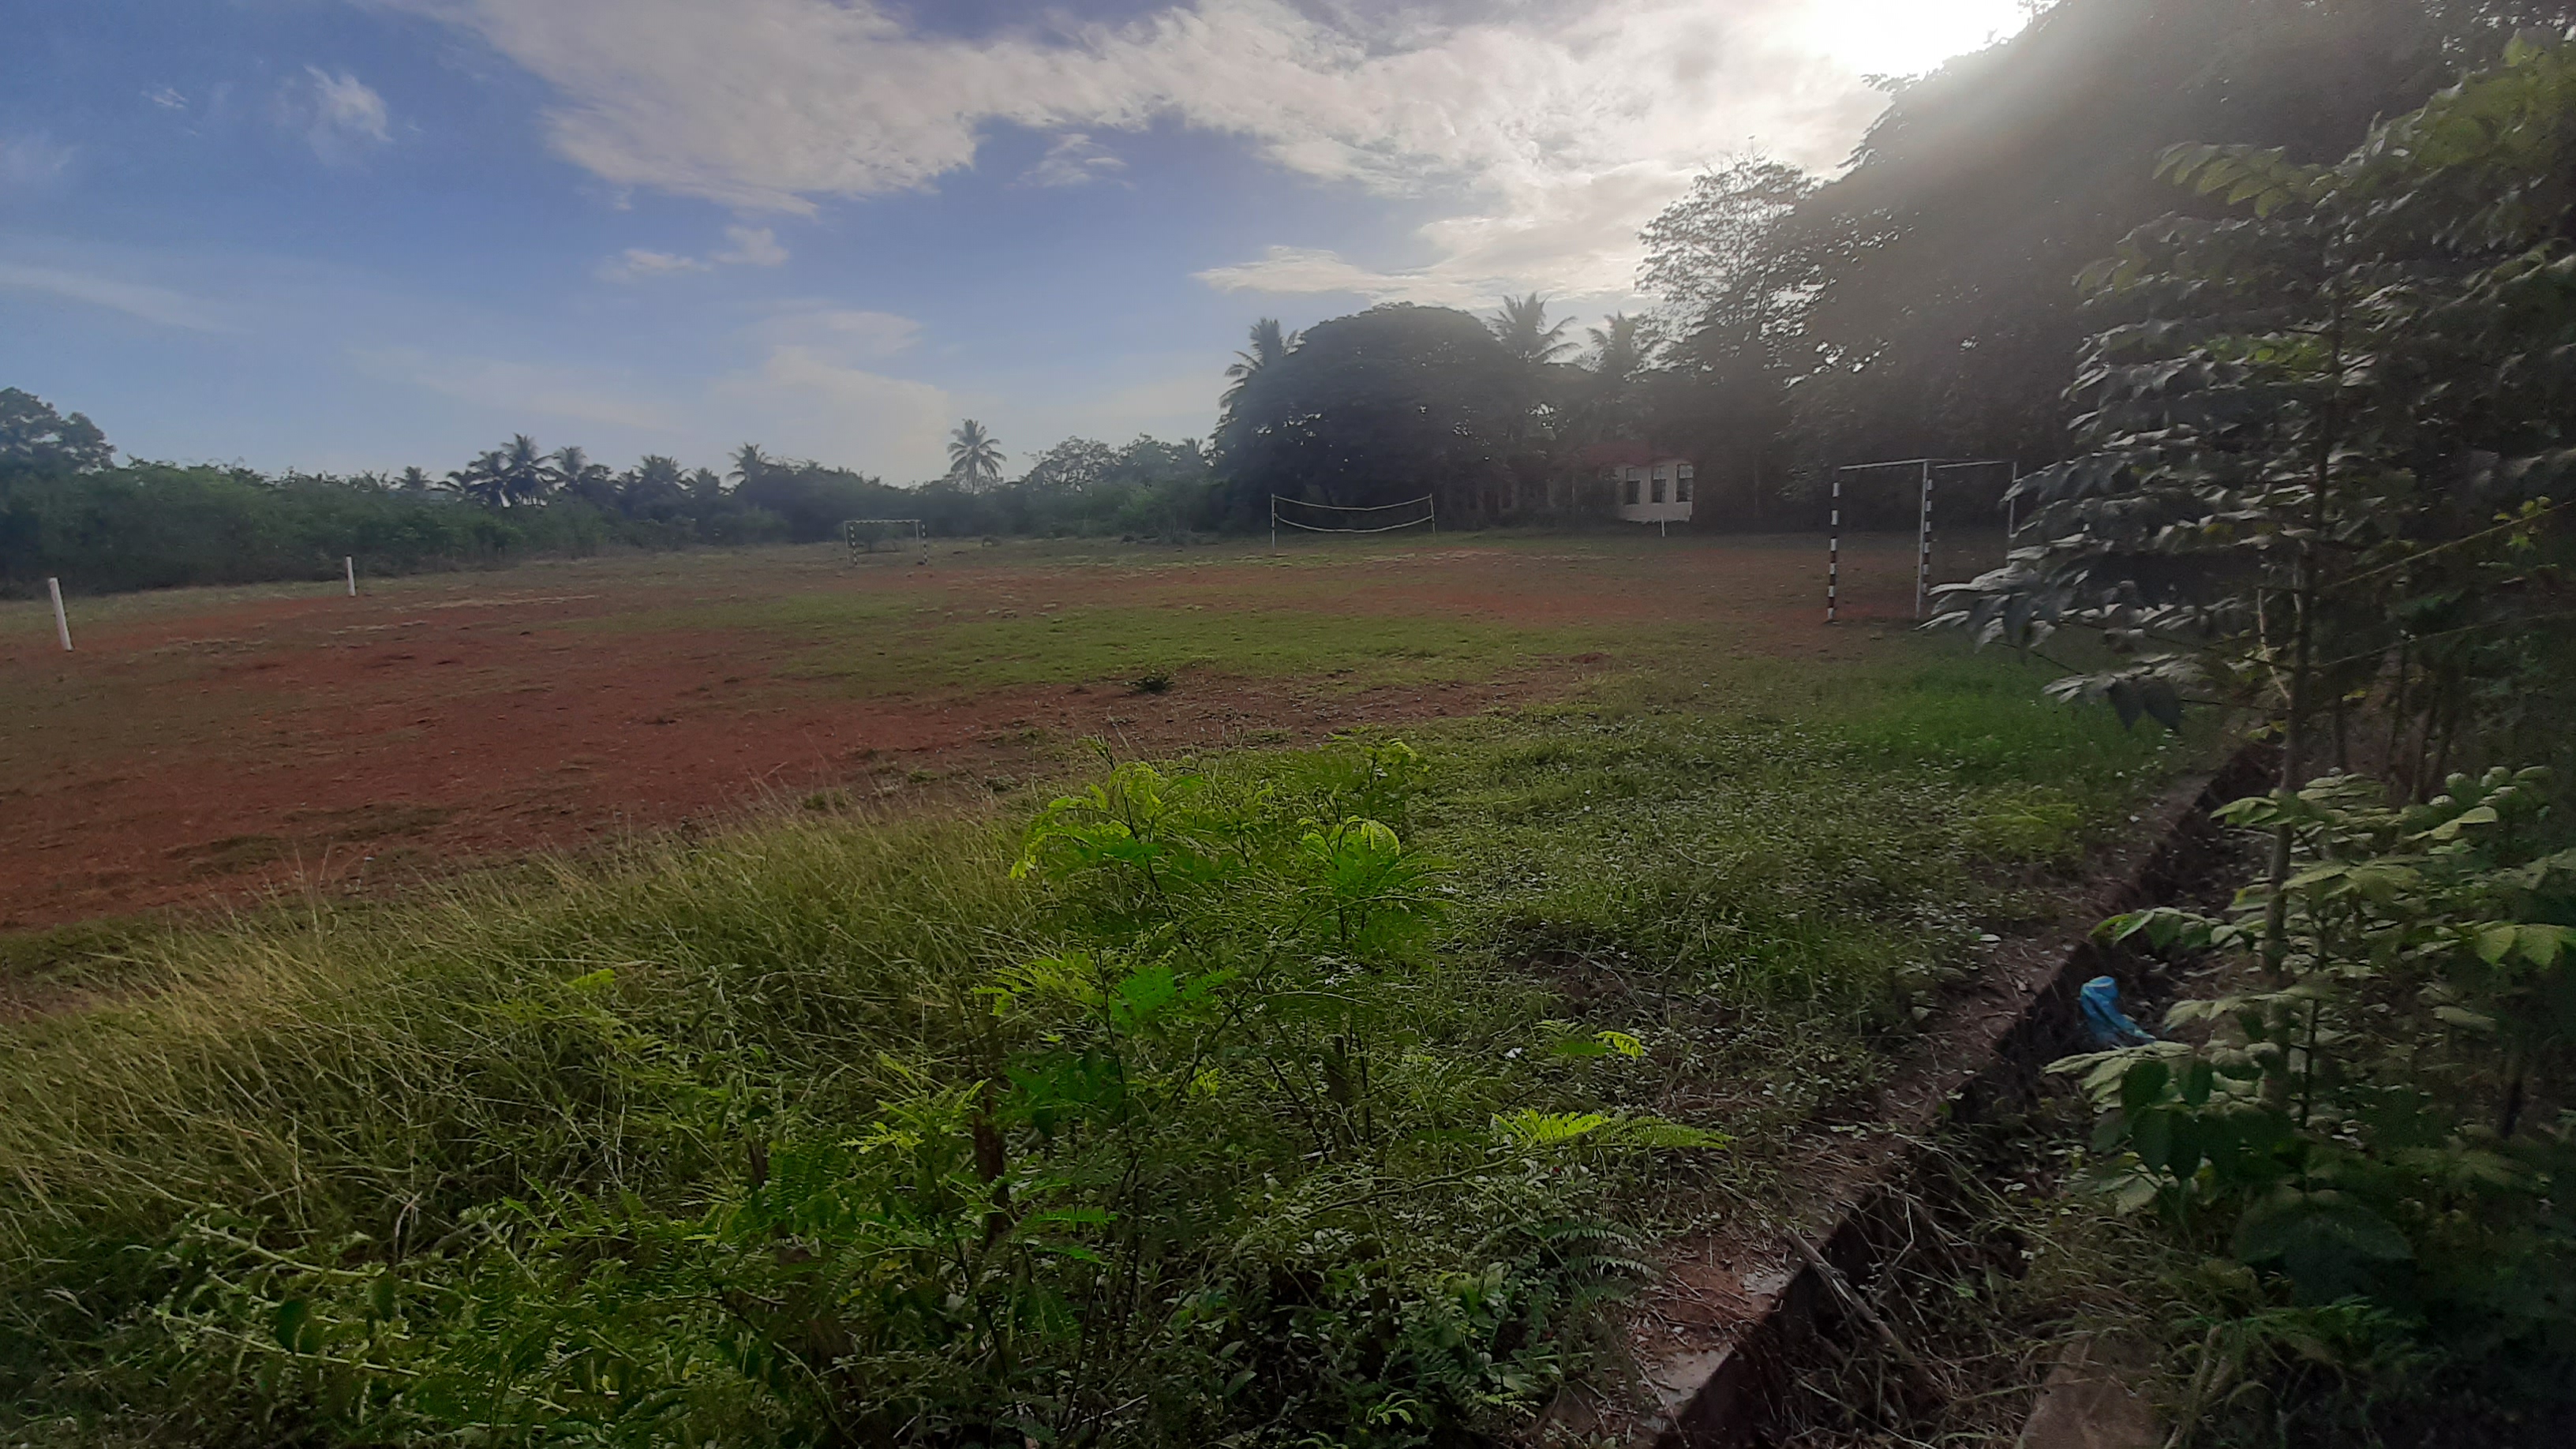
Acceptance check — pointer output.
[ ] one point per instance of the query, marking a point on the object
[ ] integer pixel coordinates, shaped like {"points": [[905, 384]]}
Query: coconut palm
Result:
{"points": [[974, 456], [1523, 329], [413, 480], [590, 482], [749, 463], [1270, 342]]}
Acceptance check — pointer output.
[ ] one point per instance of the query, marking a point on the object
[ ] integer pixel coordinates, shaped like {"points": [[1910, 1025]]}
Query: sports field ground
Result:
{"points": [[205, 746]]}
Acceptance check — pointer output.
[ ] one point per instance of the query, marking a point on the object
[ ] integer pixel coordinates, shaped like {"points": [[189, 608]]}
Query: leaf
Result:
{"points": [[293, 1324], [2319, 1236]]}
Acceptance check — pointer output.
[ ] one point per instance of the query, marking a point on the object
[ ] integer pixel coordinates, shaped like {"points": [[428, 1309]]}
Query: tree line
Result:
{"points": [[68, 508], [1921, 302]]}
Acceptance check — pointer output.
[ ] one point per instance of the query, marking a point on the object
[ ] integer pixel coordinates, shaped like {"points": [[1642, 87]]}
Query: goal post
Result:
{"points": [[1924, 477], [862, 535], [1298, 513]]}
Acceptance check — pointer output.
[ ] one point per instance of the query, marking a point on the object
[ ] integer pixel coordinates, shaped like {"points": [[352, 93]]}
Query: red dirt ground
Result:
{"points": [[203, 747]]}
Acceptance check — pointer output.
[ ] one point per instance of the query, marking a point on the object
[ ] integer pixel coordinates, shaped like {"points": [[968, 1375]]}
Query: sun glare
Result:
{"points": [[1902, 37]]}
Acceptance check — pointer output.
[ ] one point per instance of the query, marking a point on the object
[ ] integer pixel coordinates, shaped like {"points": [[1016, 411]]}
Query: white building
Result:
{"points": [[1645, 488]]}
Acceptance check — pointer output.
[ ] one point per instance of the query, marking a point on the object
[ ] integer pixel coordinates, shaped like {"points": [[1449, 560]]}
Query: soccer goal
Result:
{"points": [[864, 534], [1297, 513], [1961, 509]]}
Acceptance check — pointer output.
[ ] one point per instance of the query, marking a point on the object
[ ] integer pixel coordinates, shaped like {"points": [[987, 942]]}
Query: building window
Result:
{"points": [[1659, 485], [1632, 486], [1682, 485]]}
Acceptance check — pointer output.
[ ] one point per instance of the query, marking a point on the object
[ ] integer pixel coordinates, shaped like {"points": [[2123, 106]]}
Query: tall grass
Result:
{"points": [[1227, 1119]]}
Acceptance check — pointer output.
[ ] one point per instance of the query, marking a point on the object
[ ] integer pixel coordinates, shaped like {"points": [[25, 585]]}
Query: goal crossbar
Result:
{"points": [[1428, 502], [850, 533], [1928, 469]]}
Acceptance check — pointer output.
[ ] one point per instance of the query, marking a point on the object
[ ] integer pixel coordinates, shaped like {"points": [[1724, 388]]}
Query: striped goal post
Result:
{"points": [[1927, 474], [862, 535]]}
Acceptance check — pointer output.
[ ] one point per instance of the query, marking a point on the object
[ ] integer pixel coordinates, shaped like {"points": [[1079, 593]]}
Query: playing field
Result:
{"points": [[202, 746]]}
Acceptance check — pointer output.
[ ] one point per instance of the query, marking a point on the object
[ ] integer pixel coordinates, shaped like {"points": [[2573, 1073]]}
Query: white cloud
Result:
{"points": [[1557, 128], [27, 162], [340, 116], [635, 263], [1074, 160], [752, 247], [521, 388], [806, 403], [1314, 269], [167, 98], [842, 332], [135, 299]]}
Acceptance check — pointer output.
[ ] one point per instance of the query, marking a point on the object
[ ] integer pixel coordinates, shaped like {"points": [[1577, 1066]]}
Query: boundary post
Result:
{"points": [[349, 564], [1274, 523], [62, 624], [1834, 553], [1923, 544]]}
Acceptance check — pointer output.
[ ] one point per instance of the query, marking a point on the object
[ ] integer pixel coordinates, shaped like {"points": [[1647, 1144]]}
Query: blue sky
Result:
{"points": [[344, 234]]}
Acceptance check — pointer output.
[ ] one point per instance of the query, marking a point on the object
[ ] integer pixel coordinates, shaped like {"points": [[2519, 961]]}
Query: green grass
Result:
{"points": [[869, 644], [682, 1146]]}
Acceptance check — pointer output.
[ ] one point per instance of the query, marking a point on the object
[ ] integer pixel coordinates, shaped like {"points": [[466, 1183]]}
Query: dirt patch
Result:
{"points": [[197, 756]]}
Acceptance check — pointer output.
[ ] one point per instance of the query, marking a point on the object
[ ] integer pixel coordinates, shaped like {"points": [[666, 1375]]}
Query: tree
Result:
{"points": [[1525, 333], [654, 488], [590, 482], [1072, 466], [1269, 344], [2314, 435], [974, 457], [1377, 407], [35, 438], [414, 481], [1735, 282], [748, 463]]}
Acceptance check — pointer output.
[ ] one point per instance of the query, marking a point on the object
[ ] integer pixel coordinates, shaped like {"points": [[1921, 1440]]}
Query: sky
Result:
{"points": [[338, 235]]}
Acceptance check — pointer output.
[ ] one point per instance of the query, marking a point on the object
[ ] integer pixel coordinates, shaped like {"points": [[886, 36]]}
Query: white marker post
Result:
{"points": [[62, 625], [350, 562]]}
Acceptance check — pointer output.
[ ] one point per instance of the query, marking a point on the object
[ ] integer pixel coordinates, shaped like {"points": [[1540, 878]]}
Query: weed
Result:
{"points": [[1311, 1095]]}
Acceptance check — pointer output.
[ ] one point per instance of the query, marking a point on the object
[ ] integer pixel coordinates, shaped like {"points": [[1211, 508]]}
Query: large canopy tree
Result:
{"points": [[1380, 406]]}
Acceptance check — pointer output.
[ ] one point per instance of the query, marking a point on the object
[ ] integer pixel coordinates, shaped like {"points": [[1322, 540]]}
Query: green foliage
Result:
{"points": [[1278, 1100], [2319, 433], [2383, 1117], [1181, 1132]]}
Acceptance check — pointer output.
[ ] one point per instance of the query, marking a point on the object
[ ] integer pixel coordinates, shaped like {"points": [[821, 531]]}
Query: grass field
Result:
{"points": [[205, 746], [1225, 1116]]}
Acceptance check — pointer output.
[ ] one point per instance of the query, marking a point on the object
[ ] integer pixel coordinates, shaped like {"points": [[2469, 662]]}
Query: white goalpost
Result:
{"points": [[1369, 518], [863, 534], [1927, 473]]}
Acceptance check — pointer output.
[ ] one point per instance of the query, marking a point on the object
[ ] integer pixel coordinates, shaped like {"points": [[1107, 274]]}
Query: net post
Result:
{"points": [[1923, 543], [2010, 527], [1834, 553], [1434, 499], [62, 624], [1274, 523]]}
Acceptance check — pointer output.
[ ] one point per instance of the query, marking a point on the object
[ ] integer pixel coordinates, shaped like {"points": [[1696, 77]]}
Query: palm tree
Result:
{"points": [[974, 456], [1522, 329], [413, 480], [653, 488], [590, 482], [481, 480], [523, 475], [749, 463], [1269, 344]]}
